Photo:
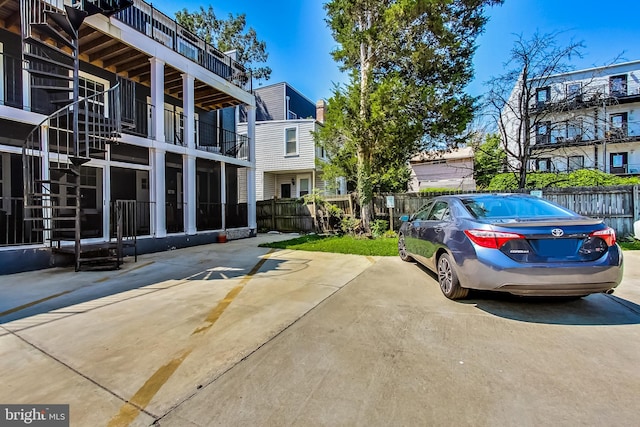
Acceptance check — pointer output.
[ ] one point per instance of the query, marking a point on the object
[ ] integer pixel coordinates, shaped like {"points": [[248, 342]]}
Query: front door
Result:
{"points": [[285, 191], [618, 163]]}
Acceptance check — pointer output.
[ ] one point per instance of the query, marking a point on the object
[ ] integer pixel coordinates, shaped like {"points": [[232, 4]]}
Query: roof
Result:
{"points": [[458, 153]]}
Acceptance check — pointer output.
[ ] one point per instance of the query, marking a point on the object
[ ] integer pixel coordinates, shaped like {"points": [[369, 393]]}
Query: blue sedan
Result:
{"points": [[512, 243]]}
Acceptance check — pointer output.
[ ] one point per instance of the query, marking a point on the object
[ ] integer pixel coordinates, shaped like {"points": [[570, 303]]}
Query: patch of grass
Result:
{"points": [[382, 246], [630, 245]]}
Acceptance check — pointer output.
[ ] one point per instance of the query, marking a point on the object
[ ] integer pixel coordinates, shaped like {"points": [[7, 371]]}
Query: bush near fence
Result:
{"points": [[619, 206]]}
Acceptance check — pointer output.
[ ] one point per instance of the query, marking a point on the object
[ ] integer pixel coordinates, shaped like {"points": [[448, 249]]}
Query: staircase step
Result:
{"points": [[53, 181], [53, 88], [65, 170], [49, 74], [75, 16], [61, 21], [42, 43], [53, 33]]}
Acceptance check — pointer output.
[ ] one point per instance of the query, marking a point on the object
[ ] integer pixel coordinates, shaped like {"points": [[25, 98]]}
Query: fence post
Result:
{"points": [[636, 204], [273, 213]]}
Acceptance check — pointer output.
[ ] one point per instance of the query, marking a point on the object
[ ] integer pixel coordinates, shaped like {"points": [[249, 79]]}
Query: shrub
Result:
{"points": [[378, 227], [349, 225]]}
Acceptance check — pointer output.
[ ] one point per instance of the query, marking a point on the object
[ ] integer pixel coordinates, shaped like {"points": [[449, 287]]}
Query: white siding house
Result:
{"points": [[452, 169], [286, 152]]}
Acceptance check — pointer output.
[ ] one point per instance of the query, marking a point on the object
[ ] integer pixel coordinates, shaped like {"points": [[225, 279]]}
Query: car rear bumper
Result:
{"points": [[489, 271]]}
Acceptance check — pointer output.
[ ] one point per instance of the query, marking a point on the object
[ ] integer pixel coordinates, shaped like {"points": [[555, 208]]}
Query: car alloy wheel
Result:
{"points": [[448, 279], [402, 249]]}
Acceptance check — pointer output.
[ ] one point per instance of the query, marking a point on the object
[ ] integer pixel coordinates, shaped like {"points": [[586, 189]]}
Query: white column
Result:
{"points": [[189, 191], [188, 83], [26, 87], [106, 197], [251, 172], [157, 178], [157, 99], [223, 193]]}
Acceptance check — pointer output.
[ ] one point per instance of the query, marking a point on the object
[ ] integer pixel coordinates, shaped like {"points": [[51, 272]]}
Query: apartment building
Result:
{"points": [[585, 119], [116, 121]]}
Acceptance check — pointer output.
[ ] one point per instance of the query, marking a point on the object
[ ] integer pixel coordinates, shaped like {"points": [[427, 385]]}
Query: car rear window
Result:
{"points": [[513, 207]]}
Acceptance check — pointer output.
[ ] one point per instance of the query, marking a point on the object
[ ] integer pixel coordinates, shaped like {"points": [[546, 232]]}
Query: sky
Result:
{"points": [[299, 42]]}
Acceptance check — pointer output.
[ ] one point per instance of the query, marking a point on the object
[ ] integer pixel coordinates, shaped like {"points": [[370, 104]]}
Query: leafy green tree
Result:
{"points": [[489, 160], [408, 62], [229, 34]]}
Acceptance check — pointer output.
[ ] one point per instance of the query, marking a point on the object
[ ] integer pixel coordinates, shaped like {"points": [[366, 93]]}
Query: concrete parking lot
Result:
{"points": [[233, 334]]}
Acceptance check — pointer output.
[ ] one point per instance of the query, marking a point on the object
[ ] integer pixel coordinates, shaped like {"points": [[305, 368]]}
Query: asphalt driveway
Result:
{"points": [[233, 334]]}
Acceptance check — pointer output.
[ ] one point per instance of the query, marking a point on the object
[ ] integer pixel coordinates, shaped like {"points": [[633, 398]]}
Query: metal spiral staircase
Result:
{"points": [[79, 128]]}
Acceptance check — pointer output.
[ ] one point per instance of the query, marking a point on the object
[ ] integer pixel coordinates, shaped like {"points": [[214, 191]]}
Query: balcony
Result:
{"points": [[155, 24]]}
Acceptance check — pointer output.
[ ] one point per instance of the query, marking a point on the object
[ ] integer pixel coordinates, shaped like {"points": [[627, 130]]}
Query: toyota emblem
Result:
{"points": [[557, 232]]}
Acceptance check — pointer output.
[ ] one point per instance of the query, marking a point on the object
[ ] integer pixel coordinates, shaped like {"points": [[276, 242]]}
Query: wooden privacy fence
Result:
{"points": [[619, 207]]}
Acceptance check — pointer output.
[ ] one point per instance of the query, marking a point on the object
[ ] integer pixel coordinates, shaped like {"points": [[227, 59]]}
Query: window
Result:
{"points": [[304, 186], [543, 95], [574, 91], [575, 163], [574, 131], [619, 125], [93, 88], [618, 85], [543, 165], [290, 141], [618, 162], [423, 213], [440, 212], [543, 132]]}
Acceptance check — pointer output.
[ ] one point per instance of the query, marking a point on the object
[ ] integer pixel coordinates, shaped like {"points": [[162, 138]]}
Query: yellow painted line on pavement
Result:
{"points": [[31, 304], [132, 408], [215, 314]]}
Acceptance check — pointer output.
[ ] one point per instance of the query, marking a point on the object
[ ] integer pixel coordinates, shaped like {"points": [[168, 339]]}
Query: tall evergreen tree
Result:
{"points": [[409, 61]]}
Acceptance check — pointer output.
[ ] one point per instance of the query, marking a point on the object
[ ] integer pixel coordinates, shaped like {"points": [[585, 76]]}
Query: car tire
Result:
{"points": [[402, 249], [448, 279]]}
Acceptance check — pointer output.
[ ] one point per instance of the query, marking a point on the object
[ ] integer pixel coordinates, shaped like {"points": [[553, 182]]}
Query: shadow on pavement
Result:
{"points": [[595, 309], [94, 285]]}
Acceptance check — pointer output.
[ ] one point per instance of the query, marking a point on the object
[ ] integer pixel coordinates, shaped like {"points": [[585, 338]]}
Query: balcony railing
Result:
{"points": [[155, 24], [209, 216], [215, 139], [590, 95], [175, 216], [136, 218], [14, 230], [237, 215], [11, 85]]}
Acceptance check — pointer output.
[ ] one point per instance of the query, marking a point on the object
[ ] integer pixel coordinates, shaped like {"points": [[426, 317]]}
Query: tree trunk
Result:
{"points": [[365, 191]]}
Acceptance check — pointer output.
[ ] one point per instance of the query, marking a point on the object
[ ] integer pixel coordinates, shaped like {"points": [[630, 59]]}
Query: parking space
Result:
{"points": [[233, 334]]}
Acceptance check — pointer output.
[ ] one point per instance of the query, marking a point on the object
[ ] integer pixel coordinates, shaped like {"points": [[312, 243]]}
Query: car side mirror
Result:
{"points": [[404, 218]]}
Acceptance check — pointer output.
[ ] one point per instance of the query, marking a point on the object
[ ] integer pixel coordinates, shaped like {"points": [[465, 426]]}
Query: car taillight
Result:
{"points": [[491, 239], [608, 235]]}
